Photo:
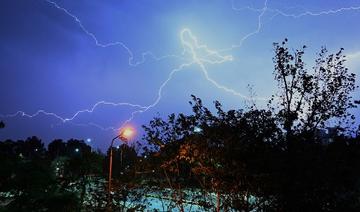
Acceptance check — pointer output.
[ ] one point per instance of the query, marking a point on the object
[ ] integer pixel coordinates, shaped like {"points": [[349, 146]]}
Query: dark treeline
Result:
{"points": [[30, 173], [299, 153], [36, 178]]}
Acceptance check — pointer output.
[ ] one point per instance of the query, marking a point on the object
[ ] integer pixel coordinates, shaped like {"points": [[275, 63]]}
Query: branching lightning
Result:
{"points": [[310, 13], [200, 56], [115, 43], [192, 47], [262, 12], [294, 15]]}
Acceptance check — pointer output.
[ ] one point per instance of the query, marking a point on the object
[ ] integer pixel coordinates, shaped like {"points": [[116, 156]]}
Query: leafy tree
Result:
{"points": [[33, 148], [76, 148], [307, 99], [8, 163], [32, 177], [252, 164], [56, 148], [216, 154]]}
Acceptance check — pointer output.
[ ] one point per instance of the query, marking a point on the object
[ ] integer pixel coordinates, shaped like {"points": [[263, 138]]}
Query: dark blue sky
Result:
{"points": [[83, 68]]}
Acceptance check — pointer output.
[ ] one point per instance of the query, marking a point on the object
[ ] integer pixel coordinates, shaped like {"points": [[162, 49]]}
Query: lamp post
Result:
{"points": [[124, 135]]}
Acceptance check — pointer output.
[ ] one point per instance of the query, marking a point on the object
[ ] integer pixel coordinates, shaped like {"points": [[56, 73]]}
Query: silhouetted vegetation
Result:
{"points": [[300, 153], [288, 157], [34, 176]]}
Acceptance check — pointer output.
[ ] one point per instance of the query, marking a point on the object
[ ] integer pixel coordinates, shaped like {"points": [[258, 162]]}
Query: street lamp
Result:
{"points": [[124, 135]]}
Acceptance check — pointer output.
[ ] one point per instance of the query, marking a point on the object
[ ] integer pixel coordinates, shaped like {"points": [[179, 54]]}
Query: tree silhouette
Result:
{"points": [[2, 124], [57, 148], [33, 147], [267, 160], [307, 99], [228, 153]]}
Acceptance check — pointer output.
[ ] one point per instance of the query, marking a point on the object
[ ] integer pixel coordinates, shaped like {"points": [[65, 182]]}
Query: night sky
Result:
{"points": [[83, 69]]}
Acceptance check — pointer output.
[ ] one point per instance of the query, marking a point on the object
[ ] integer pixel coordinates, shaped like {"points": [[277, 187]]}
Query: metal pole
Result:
{"points": [[110, 169]]}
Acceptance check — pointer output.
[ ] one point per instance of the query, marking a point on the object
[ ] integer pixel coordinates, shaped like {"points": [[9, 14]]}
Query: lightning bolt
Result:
{"points": [[131, 61], [75, 115], [196, 59], [265, 8], [191, 47], [293, 15], [310, 13], [261, 11], [103, 45]]}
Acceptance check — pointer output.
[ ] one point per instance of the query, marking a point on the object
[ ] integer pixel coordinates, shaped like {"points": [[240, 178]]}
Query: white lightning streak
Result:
{"points": [[299, 15], [159, 95], [62, 119], [265, 8], [310, 13], [192, 47], [259, 25], [116, 43]]}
